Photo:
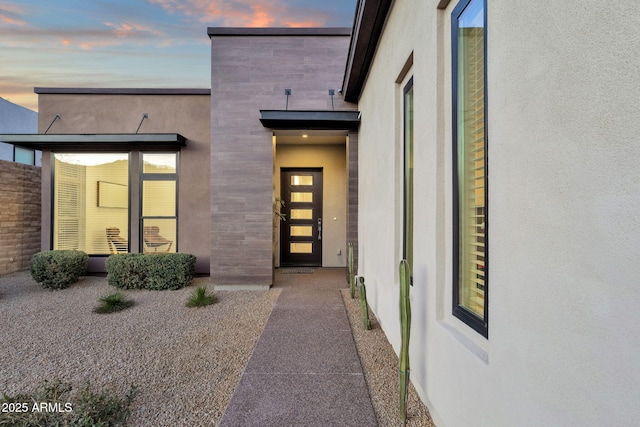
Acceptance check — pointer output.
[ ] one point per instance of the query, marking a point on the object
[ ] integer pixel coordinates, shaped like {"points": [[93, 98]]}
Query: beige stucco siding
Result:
{"points": [[187, 115], [563, 202]]}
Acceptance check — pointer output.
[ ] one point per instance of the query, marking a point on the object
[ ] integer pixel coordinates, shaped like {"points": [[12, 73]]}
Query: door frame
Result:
{"points": [[318, 206]]}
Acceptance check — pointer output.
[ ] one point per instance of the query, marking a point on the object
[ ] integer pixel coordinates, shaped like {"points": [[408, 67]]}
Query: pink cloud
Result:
{"points": [[10, 14], [129, 29], [243, 13]]}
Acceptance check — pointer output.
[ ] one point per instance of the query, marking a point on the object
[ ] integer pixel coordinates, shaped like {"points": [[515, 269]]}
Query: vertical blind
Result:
{"points": [[90, 195]]}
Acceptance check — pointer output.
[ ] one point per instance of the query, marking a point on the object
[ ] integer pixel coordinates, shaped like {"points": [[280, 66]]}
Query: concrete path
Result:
{"points": [[305, 370]]}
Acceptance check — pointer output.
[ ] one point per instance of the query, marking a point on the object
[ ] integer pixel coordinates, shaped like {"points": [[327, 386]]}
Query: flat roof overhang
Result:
{"points": [[312, 120], [97, 142]]}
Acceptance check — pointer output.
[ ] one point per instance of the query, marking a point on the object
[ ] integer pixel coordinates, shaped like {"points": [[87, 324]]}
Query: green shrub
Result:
{"points": [[200, 298], [111, 303], [58, 269], [150, 271], [87, 407]]}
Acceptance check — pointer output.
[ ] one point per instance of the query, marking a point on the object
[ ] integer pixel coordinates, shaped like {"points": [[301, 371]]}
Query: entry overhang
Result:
{"points": [[97, 142], [310, 119]]}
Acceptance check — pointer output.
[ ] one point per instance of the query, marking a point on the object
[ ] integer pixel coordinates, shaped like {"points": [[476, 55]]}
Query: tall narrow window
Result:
{"points": [[91, 202], [159, 212], [408, 173], [470, 291]]}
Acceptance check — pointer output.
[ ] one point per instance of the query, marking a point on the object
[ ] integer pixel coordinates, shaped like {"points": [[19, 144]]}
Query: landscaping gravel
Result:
{"points": [[380, 365], [185, 362]]}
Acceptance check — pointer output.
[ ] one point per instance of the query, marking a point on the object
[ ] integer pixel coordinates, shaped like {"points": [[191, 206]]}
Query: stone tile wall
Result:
{"points": [[20, 215], [250, 72]]}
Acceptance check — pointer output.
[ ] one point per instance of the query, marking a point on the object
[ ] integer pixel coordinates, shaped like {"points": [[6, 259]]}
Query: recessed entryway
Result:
{"points": [[301, 230]]}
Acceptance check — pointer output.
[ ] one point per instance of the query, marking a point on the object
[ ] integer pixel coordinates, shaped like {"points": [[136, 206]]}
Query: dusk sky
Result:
{"points": [[133, 43]]}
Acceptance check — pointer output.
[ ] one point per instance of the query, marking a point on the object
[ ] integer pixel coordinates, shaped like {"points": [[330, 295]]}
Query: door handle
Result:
{"points": [[319, 228]]}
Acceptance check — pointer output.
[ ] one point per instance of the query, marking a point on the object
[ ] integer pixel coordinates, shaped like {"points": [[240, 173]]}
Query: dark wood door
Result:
{"points": [[301, 231]]}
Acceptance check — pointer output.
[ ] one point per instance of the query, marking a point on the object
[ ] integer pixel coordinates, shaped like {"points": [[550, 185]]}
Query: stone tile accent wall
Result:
{"points": [[352, 195], [250, 73], [20, 216]]}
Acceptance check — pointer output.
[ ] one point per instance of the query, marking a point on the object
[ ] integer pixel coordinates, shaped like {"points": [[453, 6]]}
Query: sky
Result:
{"points": [[133, 43]]}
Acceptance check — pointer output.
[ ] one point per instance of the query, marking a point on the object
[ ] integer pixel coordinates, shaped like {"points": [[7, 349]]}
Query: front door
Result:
{"points": [[301, 231]]}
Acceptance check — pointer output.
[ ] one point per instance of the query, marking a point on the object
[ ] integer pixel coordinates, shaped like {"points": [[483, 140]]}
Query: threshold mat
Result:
{"points": [[297, 270]]}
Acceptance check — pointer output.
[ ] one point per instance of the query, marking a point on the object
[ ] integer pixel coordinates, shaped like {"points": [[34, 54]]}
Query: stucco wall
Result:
{"points": [[20, 215], [250, 71], [332, 160], [563, 223], [186, 114]]}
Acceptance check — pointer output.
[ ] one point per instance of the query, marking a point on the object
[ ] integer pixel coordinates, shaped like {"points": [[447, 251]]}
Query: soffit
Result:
{"points": [[310, 119], [367, 29]]}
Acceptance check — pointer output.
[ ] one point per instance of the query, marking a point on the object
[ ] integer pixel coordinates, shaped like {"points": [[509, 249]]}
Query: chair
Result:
{"points": [[117, 244], [153, 239]]}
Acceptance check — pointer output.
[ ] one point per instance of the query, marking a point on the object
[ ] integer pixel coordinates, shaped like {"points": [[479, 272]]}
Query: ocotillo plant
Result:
{"points": [[366, 322], [405, 330], [352, 279]]}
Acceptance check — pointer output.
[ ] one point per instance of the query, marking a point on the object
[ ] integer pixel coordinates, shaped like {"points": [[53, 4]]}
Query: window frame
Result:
{"points": [[17, 149], [53, 178], [408, 141], [480, 325], [147, 176]]}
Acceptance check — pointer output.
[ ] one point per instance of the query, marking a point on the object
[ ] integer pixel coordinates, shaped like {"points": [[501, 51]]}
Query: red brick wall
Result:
{"points": [[20, 216]]}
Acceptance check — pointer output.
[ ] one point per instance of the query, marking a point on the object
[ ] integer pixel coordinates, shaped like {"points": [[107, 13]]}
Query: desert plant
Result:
{"points": [[59, 268], [352, 278], [278, 204], [405, 332], [111, 303], [200, 298], [87, 407], [150, 271], [366, 322]]}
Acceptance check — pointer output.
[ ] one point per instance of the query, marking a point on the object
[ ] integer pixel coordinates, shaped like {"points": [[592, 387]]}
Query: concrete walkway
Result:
{"points": [[305, 370]]}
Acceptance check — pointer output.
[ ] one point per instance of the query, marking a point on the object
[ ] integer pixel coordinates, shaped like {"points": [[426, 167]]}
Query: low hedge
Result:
{"points": [[150, 271], [59, 268]]}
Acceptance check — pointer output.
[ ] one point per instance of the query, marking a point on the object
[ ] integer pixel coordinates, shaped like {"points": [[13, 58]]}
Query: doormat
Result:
{"points": [[298, 270]]}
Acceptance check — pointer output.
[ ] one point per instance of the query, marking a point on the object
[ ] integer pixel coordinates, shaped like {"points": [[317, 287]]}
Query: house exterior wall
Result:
{"points": [[251, 68], [98, 111], [563, 202], [20, 218], [16, 119], [332, 160]]}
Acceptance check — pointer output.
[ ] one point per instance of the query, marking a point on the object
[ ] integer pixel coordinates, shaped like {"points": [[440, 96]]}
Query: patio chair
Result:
{"points": [[117, 244], [153, 239]]}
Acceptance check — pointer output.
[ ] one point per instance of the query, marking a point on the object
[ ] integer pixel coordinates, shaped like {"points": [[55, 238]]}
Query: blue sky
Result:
{"points": [[132, 43]]}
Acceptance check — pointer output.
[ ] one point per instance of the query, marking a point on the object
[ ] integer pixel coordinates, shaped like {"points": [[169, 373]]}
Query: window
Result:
{"points": [[24, 155], [159, 219], [91, 202], [470, 243], [407, 252]]}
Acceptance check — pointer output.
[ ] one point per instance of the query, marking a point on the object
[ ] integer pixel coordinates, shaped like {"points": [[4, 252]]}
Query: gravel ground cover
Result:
{"points": [[186, 362], [380, 365]]}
